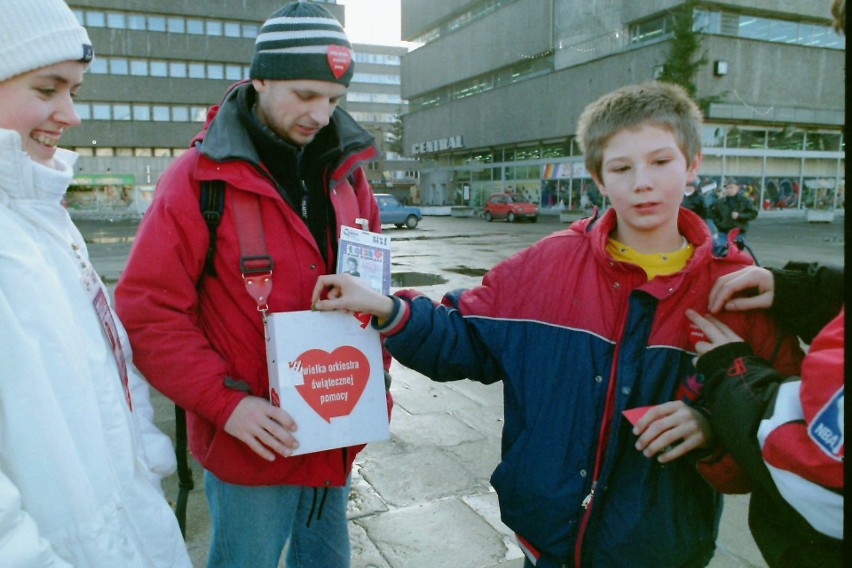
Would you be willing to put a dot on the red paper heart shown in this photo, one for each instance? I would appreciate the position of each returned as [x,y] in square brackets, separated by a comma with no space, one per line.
[339,59]
[634,414]
[333,382]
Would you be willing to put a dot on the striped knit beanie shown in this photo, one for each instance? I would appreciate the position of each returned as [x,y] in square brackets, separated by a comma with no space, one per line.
[302,40]
[38,33]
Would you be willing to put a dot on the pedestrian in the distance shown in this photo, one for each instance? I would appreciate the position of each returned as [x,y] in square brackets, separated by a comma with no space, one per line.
[694,201]
[733,210]
[80,459]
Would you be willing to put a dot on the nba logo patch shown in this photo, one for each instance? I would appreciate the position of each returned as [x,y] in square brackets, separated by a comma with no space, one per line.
[826,430]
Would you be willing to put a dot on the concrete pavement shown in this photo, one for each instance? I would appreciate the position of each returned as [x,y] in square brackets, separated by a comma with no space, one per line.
[423,499]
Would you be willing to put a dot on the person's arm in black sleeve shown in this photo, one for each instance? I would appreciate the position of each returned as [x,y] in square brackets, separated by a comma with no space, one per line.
[739,386]
[749,212]
[807,297]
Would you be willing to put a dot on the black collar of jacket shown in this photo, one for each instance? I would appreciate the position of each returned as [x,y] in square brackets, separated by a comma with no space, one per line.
[227,139]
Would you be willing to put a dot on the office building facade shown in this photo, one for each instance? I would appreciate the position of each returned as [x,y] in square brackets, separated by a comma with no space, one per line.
[374,99]
[159,66]
[502,116]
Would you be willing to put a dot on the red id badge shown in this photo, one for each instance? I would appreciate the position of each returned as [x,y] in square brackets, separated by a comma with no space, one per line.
[108,325]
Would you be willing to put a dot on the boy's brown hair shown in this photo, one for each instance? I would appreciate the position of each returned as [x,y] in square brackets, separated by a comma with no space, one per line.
[660,104]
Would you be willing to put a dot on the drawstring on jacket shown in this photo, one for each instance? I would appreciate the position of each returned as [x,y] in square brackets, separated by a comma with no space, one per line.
[314,504]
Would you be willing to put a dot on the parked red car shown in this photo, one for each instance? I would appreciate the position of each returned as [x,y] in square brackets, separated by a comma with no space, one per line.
[510,206]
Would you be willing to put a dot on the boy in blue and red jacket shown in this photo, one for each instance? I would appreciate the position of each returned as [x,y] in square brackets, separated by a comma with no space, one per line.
[582,326]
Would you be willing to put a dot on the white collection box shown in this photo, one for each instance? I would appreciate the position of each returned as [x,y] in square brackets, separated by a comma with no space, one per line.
[325,370]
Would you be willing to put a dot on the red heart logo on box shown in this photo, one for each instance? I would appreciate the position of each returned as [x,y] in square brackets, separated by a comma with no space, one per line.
[333,382]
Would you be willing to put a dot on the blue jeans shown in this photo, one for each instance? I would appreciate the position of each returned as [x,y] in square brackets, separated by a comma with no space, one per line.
[251,525]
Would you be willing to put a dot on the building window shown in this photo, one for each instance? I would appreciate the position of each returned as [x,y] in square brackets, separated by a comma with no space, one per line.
[156,23]
[214,28]
[101,111]
[232,29]
[84,111]
[159,69]
[250,31]
[136,22]
[143,152]
[118,66]
[177,69]
[176,25]
[139,67]
[141,113]
[786,140]
[196,71]
[233,72]
[199,114]
[99,66]
[160,113]
[121,112]
[215,71]
[95,19]
[116,20]
[194,26]
[180,114]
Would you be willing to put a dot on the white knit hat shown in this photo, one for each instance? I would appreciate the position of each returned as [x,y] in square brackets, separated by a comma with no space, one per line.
[38,33]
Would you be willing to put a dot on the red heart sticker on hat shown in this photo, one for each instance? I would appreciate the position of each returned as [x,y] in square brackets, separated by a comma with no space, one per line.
[339,59]
[333,382]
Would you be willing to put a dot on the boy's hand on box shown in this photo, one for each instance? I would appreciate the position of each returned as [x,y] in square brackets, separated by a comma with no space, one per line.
[348,293]
[671,430]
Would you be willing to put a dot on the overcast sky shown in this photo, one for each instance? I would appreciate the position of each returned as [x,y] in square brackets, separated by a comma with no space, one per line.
[372,21]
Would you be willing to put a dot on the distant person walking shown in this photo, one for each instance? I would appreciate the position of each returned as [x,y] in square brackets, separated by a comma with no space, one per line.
[694,201]
[733,210]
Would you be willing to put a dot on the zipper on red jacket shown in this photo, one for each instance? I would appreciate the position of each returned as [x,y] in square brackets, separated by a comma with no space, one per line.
[603,439]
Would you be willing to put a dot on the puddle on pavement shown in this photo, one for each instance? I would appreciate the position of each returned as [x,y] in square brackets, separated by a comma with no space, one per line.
[433,237]
[406,279]
[467,271]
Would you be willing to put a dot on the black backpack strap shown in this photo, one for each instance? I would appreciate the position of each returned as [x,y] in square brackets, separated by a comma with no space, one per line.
[212,202]
[212,206]
[185,481]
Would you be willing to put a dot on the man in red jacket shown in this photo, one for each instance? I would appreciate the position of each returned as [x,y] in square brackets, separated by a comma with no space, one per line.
[279,141]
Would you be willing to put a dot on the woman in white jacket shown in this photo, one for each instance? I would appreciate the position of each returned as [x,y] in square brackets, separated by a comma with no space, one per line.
[80,459]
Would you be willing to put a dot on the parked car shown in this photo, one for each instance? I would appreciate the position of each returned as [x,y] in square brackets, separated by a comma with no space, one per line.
[393,212]
[509,206]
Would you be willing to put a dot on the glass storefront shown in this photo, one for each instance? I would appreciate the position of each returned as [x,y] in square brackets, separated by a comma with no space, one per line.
[101,192]
[780,168]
